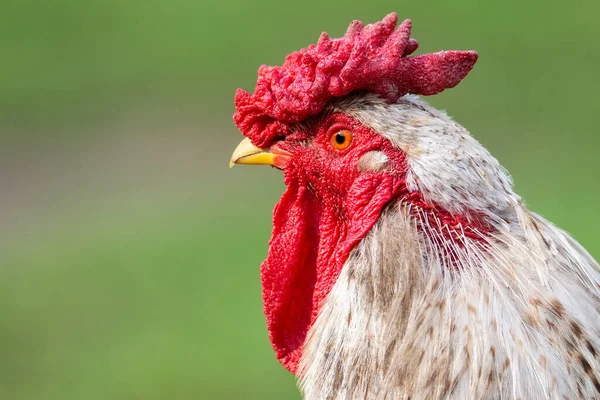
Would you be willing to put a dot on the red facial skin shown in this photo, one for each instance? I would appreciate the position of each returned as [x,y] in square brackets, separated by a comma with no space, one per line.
[327,209]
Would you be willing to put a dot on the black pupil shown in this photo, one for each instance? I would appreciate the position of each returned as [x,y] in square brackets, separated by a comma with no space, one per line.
[340,138]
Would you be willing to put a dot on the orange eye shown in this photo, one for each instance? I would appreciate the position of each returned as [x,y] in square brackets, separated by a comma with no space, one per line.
[341,139]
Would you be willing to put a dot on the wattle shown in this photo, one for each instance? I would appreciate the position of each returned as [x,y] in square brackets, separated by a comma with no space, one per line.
[310,243]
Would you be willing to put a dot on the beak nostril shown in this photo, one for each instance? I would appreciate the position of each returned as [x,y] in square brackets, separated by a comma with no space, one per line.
[276,149]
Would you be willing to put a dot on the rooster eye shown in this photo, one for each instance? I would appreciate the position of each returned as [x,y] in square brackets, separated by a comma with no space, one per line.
[341,139]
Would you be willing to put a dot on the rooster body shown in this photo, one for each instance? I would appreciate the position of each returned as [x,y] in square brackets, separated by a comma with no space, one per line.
[402,264]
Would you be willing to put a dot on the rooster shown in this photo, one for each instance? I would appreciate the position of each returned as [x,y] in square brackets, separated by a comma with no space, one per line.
[402,265]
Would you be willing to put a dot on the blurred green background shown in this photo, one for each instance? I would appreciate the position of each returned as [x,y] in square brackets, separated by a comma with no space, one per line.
[129,251]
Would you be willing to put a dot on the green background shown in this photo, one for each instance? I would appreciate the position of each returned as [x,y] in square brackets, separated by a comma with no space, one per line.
[129,252]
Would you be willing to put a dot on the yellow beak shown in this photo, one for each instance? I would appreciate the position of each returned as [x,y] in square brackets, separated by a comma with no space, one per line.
[248,154]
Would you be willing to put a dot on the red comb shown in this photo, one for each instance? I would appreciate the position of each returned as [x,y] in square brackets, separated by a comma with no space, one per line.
[373,58]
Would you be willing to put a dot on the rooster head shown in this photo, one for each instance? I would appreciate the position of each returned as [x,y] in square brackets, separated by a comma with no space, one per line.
[341,120]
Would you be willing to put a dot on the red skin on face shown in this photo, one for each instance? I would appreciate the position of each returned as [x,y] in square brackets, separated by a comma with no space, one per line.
[327,208]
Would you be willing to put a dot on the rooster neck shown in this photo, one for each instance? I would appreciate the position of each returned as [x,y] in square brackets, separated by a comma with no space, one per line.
[398,323]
